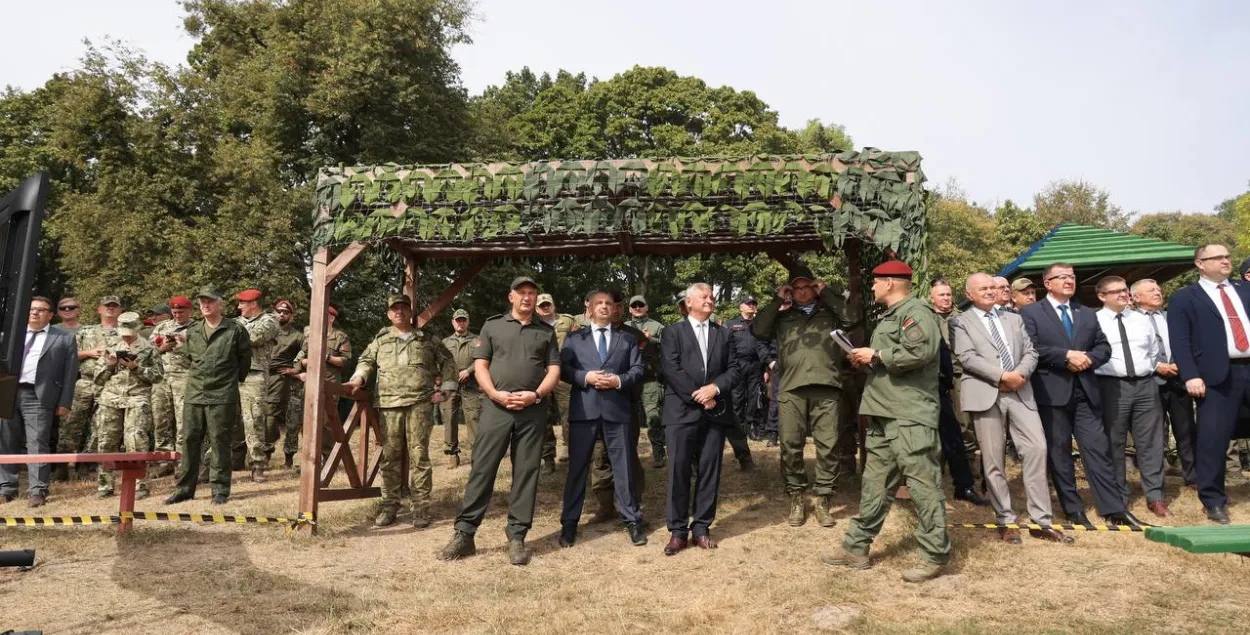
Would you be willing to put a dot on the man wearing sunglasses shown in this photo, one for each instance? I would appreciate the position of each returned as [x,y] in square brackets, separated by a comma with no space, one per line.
[283,383]
[67,311]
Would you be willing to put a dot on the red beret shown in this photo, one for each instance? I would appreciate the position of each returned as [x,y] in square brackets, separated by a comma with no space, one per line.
[284,303]
[892,269]
[248,295]
[333,311]
[179,302]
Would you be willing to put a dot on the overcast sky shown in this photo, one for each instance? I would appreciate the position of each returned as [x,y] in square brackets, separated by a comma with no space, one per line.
[1148,100]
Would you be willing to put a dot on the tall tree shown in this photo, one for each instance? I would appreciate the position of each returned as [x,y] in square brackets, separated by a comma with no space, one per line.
[1078,202]
[1018,228]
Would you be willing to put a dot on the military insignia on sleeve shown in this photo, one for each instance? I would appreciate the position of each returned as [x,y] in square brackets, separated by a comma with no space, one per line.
[908,323]
[477,341]
[347,347]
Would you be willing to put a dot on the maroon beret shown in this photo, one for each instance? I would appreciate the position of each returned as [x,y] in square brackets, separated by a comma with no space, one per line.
[248,295]
[179,302]
[892,269]
[333,311]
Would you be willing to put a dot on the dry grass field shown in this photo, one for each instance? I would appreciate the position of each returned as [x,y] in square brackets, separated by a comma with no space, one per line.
[765,578]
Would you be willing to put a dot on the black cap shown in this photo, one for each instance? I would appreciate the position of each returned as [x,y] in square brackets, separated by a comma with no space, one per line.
[801,273]
[747,299]
[1245,266]
[520,280]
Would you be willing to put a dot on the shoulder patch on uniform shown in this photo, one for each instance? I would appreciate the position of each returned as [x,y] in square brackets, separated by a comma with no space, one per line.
[477,341]
[909,322]
[494,317]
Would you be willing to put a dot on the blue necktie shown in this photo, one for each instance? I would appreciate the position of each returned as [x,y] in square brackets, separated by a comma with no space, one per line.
[1067,319]
[603,345]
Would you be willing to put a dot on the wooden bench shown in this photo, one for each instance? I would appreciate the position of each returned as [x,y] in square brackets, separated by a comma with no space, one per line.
[131,465]
[1204,539]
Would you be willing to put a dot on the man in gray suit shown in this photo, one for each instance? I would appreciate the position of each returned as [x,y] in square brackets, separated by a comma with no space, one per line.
[45,388]
[998,357]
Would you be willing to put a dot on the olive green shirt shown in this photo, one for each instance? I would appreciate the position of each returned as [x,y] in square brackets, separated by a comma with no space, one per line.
[518,354]
[219,361]
[806,352]
[563,324]
[289,342]
[944,320]
[904,383]
[461,347]
[407,365]
[337,345]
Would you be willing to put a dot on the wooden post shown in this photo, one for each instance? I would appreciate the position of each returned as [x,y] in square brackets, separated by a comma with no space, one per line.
[314,389]
[412,278]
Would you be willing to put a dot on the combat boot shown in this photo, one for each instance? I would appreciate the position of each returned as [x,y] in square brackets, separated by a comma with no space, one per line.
[517,553]
[923,573]
[420,518]
[847,559]
[453,461]
[290,461]
[823,517]
[461,546]
[258,475]
[798,510]
[386,517]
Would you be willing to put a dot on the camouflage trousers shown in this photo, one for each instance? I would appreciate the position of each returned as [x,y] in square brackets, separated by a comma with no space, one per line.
[255,412]
[462,408]
[284,394]
[558,415]
[167,412]
[76,428]
[406,429]
[122,430]
[652,402]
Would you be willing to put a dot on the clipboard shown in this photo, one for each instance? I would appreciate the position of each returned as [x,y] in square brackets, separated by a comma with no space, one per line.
[844,343]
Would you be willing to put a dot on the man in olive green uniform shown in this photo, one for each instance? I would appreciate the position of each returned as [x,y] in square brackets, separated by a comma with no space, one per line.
[465,403]
[943,301]
[559,410]
[283,382]
[900,397]
[168,337]
[93,340]
[262,330]
[517,364]
[810,394]
[338,354]
[407,360]
[652,389]
[219,353]
[125,378]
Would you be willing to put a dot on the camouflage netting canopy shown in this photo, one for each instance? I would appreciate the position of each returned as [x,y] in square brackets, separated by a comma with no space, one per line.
[586,208]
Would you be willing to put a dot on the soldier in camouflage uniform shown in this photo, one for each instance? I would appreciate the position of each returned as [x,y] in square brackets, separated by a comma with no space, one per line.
[262,330]
[338,354]
[168,337]
[465,404]
[652,389]
[283,381]
[93,341]
[559,409]
[901,399]
[124,418]
[407,362]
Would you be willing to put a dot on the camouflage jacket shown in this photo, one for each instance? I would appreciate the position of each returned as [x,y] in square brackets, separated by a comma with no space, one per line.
[175,359]
[126,388]
[406,368]
[461,348]
[91,337]
[337,345]
[262,330]
[564,325]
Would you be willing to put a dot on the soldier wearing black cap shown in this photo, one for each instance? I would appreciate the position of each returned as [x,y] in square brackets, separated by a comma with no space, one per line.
[517,365]
[747,394]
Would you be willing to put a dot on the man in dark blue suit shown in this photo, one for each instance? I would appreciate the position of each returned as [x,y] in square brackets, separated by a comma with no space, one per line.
[699,373]
[1070,345]
[1208,325]
[601,364]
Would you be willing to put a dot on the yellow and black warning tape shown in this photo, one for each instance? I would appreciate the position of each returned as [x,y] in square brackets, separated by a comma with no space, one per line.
[289,523]
[1108,528]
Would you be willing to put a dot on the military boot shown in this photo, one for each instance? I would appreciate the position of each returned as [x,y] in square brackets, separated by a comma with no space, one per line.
[386,517]
[847,559]
[823,517]
[923,573]
[258,475]
[798,510]
[420,518]
[453,461]
[517,553]
[461,546]
[290,461]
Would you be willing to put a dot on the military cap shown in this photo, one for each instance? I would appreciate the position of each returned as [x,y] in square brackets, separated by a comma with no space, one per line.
[637,300]
[1245,266]
[129,323]
[160,309]
[110,299]
[747,299]
[248,295]
[210,292]
[398,298]
[1021,284]
[332,311]
[802,273]
[284,304]
[543,298]
[460,313]
[892,269]
[520,280]
[180,302]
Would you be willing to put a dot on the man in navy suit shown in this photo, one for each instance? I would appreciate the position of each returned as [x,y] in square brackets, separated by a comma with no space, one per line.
[602,364]
[699,376]
[1208,326]
[1070,345]
[45,389]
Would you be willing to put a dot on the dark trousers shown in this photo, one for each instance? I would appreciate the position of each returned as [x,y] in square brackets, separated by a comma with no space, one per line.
[214,422]
[603,481]
[951,435]
[617,438]
[707,440]
[1179,408]
[736,435]
[498,432]
[746,399]
[33,425]
[772,422]
[1217,420]
[1080,418]
[1132,405]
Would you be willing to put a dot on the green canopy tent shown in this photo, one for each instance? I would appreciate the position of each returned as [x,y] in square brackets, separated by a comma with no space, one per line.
[869,204]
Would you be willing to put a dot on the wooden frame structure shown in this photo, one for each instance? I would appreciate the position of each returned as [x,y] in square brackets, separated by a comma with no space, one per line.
[668,207]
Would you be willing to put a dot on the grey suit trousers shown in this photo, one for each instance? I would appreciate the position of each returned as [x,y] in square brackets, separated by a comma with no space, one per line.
[1134,405]
[1030,439]
[33,423]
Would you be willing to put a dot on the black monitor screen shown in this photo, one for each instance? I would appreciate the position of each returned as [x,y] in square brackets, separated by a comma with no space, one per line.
[21,220]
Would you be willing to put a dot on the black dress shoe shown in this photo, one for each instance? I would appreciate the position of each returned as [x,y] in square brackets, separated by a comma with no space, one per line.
[1080,519]
[746,464]
[568,536]
[1124,519]
[637,535]
[1218,514]
[970,496]
[177,498]
[219,499]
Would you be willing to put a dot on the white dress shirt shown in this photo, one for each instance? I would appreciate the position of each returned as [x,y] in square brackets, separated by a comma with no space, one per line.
[701,336]
[1161,321]
[30,366]
[998,324]
[1214,292]
[594,331]
[1141,342]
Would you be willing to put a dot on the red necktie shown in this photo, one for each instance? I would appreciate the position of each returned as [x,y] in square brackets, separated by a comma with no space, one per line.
[1234,321]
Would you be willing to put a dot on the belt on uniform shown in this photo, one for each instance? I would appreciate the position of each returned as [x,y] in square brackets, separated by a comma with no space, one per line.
[29,386]
[1141,378]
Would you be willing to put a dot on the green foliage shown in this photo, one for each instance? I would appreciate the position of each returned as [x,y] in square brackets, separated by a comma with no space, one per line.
[1190,229]
[1078,202]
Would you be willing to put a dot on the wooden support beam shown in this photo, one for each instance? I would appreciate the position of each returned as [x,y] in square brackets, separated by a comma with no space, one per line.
[784,258]
[344,258]
[314,389]
[452,291]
